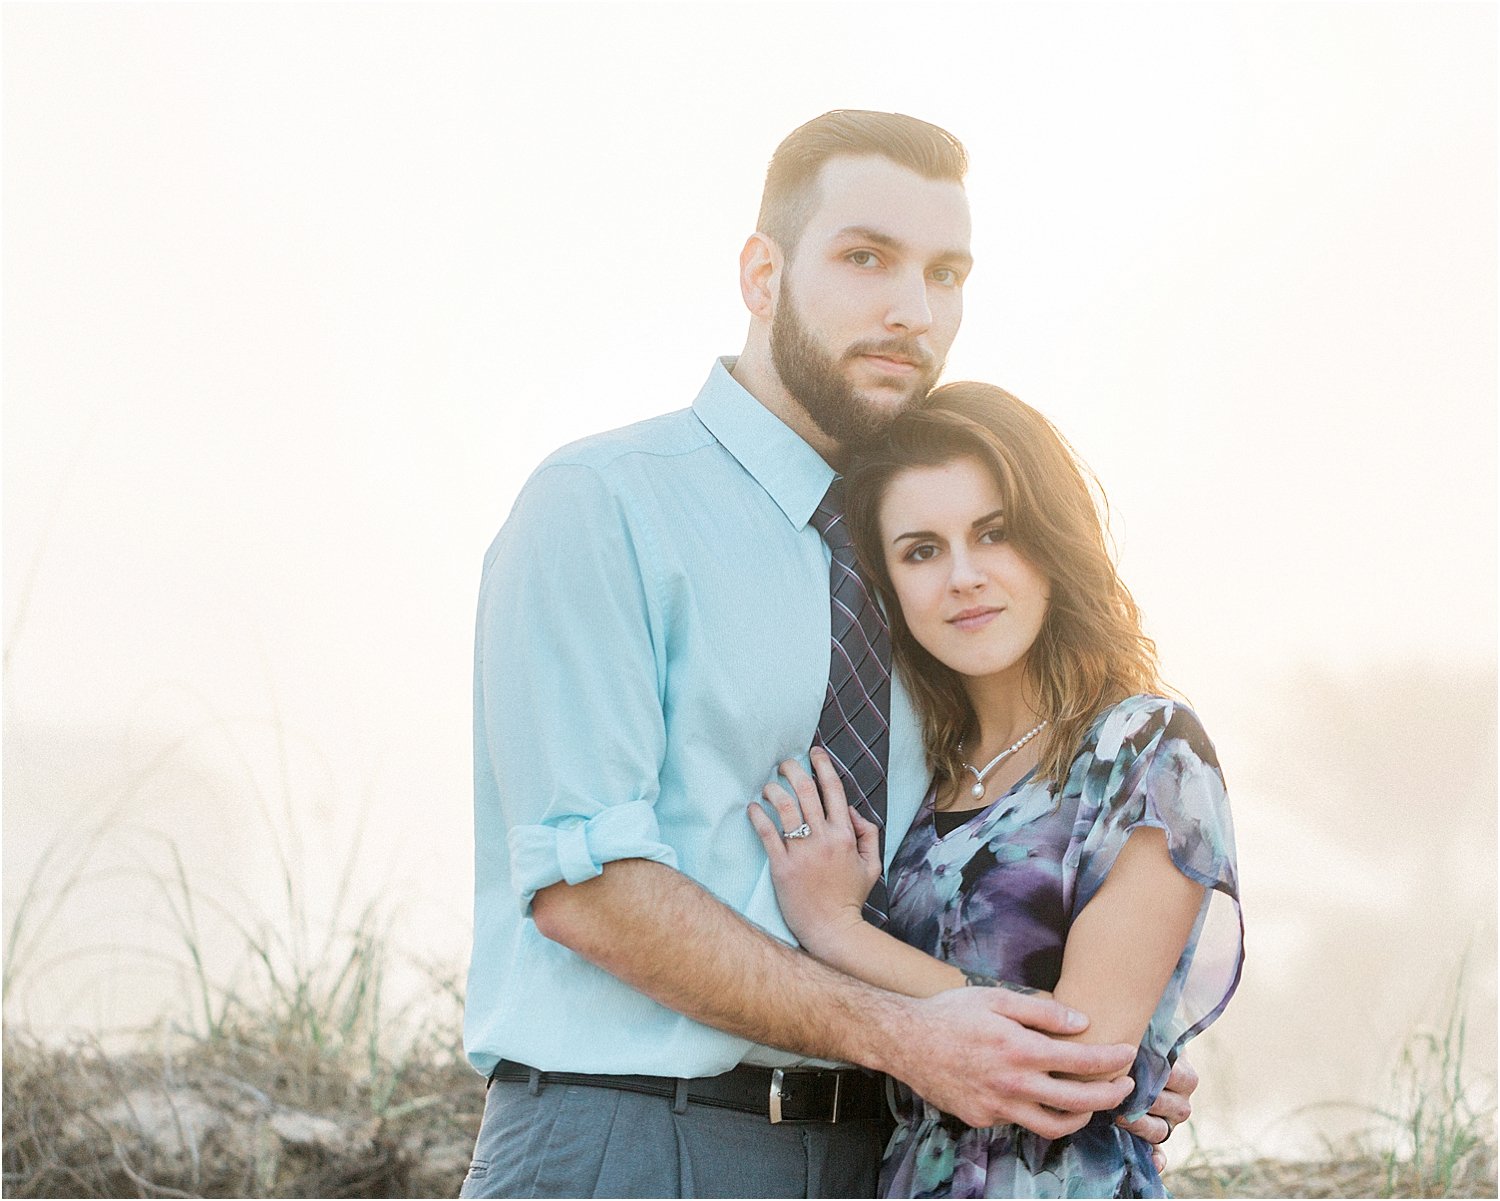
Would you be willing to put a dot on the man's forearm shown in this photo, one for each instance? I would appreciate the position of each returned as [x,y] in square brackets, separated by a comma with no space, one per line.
[664,935]
[985,1055]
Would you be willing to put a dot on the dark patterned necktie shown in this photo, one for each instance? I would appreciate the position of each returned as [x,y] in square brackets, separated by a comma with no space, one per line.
[855,727]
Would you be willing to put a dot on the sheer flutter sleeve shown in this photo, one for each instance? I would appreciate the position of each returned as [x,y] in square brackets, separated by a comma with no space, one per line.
[1152,766]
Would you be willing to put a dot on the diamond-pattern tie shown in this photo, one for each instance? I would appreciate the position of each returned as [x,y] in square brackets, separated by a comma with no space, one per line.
[855,726]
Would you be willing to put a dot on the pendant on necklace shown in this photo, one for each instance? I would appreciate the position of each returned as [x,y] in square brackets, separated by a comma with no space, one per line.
[977,792]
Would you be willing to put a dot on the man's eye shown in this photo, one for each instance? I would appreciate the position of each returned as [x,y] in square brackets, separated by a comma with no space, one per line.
[946,276]
[863,258]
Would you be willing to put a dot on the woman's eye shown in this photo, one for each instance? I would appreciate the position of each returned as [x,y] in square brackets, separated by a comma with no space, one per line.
[995,533]
[921,552]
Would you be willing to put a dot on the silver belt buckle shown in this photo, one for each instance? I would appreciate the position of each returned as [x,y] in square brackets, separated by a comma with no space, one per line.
[778,1077]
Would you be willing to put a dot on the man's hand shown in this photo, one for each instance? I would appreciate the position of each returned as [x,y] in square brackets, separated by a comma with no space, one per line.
[985,1056]
[1172,1107]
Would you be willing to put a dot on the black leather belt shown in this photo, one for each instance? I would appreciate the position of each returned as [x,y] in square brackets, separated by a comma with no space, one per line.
[780,1094]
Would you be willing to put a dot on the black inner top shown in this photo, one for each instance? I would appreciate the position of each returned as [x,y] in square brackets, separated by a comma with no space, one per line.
[948,820]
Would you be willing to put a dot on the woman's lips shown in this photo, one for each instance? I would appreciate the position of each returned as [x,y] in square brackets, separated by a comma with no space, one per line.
[974,619]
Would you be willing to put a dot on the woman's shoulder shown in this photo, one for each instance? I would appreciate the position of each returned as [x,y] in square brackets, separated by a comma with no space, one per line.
[1146,723]
[1149,760]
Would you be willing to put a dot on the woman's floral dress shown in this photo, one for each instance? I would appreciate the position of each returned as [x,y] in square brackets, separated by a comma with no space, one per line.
[997,895]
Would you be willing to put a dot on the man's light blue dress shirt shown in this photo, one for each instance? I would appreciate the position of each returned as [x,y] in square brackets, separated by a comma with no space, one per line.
[653,638]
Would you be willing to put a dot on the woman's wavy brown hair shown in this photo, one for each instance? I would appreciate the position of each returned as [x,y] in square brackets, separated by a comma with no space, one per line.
[1091,651]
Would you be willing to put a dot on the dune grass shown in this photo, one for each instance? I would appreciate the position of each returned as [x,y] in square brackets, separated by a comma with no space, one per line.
[288,1074]
[322,1093]
[1446,1136]
[248,1114]
[302,1079]
[1435,1138]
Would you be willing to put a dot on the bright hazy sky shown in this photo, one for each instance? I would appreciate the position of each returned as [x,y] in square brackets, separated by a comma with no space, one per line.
[296,295]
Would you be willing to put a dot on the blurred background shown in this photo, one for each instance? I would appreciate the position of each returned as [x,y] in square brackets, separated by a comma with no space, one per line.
[295,297]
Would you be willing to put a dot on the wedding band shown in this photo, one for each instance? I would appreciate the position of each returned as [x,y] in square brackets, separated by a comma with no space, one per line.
[1171,1126]
[801,831]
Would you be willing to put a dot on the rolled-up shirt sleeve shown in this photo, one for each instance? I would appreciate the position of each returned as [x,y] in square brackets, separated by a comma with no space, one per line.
[568,685]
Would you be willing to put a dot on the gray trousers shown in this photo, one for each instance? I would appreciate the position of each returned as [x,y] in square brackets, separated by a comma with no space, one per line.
[568,1140]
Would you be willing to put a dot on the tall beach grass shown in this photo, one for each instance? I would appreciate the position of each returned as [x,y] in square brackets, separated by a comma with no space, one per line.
[299,1077]
[1434,1137]
[288,1064]
[304,1080]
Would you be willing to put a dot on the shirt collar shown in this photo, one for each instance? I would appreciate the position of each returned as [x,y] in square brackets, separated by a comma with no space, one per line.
[792,472]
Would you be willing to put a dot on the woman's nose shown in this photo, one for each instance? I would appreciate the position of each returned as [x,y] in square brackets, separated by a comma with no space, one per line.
[964,574]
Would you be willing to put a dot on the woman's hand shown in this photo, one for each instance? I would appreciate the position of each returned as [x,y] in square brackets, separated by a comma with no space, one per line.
[822,879]
[1172,1107]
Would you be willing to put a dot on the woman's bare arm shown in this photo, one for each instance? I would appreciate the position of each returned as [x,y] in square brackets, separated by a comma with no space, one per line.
[1142,916]
[1123,947]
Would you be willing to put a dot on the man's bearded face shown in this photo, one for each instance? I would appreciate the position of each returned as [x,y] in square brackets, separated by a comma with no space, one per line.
[818,378]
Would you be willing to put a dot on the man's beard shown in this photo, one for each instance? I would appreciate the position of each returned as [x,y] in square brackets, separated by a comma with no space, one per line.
[814,379]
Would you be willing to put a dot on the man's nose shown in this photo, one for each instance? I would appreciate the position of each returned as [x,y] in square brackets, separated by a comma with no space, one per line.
[910,310]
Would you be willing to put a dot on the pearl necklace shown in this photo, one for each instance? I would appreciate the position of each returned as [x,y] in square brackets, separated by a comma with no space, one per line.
[977,792]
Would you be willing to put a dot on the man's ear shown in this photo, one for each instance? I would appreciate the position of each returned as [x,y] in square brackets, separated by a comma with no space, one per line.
[760,275]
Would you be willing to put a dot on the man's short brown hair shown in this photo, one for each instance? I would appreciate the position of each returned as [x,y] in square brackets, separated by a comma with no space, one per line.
[791,193]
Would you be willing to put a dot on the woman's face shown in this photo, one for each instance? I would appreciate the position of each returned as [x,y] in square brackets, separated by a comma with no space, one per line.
[968,595]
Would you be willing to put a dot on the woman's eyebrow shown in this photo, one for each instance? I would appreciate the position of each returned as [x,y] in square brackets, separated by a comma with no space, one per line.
[974,525]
